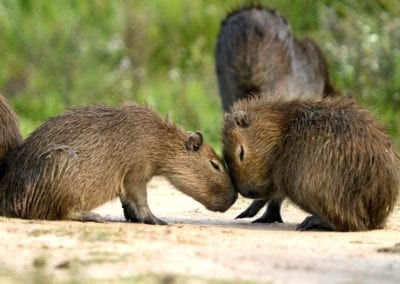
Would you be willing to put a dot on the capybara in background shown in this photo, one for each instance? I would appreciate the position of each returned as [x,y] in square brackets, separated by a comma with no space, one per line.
[256,53]
[87,156]
[328,156]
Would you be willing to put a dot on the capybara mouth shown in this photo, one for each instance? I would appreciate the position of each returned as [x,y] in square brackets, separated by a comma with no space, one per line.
[223,206]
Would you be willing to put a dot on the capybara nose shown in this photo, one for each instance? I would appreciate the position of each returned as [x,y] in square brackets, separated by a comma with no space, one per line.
[222,207]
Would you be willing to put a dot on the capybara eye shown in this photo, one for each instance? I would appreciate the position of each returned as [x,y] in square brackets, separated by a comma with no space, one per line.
[241,154]
[215,166]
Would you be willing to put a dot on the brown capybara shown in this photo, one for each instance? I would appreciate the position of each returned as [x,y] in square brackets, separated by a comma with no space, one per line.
[9,132]
[256,53]
[328,156]
[87,156]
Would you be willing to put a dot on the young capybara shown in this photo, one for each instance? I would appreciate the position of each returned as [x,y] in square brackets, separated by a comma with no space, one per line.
[256,53]
[87,156]
[328,156]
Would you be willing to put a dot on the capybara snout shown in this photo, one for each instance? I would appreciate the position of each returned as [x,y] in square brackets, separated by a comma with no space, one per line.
[204,176]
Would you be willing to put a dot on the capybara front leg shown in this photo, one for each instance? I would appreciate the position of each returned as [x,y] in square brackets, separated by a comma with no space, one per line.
[273,212]
[129,211]
[136,208]
[253,208]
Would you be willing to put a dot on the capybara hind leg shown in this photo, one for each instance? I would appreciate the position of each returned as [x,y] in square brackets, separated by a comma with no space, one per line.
[253,209]
[87,217]
[136,209]
[273,212]
[314,223]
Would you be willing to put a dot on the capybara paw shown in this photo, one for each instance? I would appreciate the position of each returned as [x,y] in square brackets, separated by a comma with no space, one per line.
[129,213]
[269,217]
[132,219]
[253,209]
[145,219]
[154,221]
[246,213]
[313,223]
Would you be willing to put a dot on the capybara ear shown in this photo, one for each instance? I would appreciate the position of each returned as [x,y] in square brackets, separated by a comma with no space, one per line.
[241,119]
[194,141]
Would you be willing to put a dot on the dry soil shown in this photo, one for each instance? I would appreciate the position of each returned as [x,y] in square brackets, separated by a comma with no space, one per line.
[197,246]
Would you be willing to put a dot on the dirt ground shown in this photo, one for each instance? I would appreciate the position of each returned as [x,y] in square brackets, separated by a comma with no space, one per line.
[198,246]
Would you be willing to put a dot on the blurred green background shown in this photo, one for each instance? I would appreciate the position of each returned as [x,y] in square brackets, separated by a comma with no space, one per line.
[57,54]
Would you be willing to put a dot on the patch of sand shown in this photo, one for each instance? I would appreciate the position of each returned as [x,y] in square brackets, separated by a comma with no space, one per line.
[197,243]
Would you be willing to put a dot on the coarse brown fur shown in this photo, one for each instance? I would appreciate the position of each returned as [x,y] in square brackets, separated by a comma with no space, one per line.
[87,156]
[9,132]
[257,52]
[328,156]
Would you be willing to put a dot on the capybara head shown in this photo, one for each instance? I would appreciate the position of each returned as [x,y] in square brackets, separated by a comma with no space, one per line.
[200,173]
[250,144]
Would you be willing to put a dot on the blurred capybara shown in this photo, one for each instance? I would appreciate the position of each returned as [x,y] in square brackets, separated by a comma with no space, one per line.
[257,54]
[328,156]
[90,155]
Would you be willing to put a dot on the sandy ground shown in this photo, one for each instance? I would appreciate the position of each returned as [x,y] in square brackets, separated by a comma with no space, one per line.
[198,245]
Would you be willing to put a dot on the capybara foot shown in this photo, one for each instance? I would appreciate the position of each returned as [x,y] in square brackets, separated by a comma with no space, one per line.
[129,213]
[272,214]
[88,217]
[314,223]
[253,209]
[140,217]
[152,220]
[149,219]
[270,217]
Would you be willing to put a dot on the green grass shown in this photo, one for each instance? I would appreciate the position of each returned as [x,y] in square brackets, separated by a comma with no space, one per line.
[58,54]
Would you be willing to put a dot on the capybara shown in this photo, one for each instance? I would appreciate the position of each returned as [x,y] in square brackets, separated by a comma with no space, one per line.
[328,156]
[9,132]
[87,156]
[256,53]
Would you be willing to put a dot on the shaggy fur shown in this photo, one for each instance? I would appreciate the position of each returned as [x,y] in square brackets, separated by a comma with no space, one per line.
[90,155]
[9,133]
[256,53]
[328,156]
